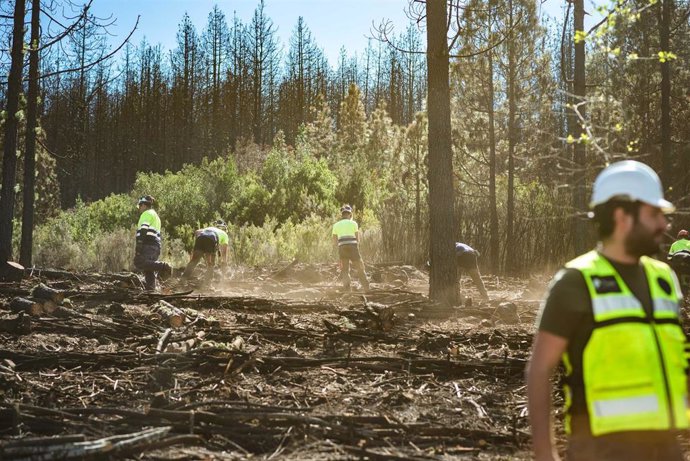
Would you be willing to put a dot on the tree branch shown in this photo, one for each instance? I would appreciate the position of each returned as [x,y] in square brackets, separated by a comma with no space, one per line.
[101,59]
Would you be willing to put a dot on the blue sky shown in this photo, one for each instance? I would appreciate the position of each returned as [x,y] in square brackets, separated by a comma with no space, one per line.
[333,23]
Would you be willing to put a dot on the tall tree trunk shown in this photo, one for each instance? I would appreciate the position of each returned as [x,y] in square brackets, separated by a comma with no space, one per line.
[418,194]
[30,154]
[443,279]
[511,263]
[579,148]
[9,159]
[666,7]
[493,227]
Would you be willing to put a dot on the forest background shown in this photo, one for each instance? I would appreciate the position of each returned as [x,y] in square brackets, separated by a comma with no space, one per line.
[271,137]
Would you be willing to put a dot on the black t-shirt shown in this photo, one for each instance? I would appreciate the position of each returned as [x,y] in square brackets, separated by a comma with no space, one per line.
[567,312]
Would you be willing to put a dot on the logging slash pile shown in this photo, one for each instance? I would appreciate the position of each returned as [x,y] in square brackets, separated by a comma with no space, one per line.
[273,363]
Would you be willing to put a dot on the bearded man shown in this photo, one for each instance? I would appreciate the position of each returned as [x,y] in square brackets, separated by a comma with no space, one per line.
[612,317]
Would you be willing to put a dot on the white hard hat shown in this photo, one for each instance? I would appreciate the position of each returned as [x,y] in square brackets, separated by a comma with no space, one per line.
[629,180]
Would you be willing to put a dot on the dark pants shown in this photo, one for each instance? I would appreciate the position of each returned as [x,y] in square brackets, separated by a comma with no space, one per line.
[468,262]
[347,253]
[631,446]
[205,245]
[146,260]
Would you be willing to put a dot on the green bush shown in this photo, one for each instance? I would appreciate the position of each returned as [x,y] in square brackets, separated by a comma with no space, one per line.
[54,245]
[113,251]
[191,196]
[285,211]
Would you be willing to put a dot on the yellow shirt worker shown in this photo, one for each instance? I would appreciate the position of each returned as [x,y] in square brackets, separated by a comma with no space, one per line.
[346,238]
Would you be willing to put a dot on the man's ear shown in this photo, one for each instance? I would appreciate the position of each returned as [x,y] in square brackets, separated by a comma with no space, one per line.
[622,220]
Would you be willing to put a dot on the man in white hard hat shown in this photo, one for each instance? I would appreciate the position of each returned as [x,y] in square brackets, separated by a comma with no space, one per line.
[612,317]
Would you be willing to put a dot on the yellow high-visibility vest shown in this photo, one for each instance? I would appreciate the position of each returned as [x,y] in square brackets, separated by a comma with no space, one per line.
[634,365]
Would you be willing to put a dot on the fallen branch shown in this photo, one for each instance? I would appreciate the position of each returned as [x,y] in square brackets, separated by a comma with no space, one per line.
[163,341]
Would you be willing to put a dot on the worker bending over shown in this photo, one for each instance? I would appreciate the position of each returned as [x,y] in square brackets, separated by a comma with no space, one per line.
[208,242]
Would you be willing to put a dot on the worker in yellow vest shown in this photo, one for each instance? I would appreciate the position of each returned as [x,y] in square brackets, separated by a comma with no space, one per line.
[679,258]
[681,244]
[148,244]
[346,238]
[612,317]
[209,242]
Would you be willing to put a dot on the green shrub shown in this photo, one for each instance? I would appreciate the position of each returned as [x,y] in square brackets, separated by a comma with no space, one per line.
[113,251]
[54,245]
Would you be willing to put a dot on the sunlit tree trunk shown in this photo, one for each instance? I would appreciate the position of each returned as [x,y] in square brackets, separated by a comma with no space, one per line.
[442,283]
[579,148]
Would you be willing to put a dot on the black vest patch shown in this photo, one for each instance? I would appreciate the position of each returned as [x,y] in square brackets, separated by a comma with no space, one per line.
[664,285]
[606,284]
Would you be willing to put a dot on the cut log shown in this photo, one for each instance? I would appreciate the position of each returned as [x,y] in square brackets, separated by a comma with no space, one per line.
[28,306]
[11,272]
[172,315]
[45,292]
[49,306]
[65,312]
[199,318]
[19,325]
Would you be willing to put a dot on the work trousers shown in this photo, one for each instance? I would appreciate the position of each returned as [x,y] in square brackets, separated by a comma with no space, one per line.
[627,446]
[468,262]
[350,253]
[146,260]
[196,257]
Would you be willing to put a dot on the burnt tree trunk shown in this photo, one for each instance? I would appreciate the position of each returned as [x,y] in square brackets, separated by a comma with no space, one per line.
[443,278]
[9,159]
[665,7]
[25,253]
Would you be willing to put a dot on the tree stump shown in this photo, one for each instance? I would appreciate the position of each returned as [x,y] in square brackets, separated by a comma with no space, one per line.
[11,272]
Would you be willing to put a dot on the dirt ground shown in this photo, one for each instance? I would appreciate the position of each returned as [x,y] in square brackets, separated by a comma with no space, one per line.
[274,363]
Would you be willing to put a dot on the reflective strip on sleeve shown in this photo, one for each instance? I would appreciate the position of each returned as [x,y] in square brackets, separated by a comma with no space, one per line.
[626,406]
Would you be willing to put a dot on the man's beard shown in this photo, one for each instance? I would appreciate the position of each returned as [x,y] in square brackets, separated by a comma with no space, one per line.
[641,242]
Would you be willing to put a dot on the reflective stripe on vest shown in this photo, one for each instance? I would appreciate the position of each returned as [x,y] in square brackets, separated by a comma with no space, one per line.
[148,234]
[347,240]
[633,365]
[627,406]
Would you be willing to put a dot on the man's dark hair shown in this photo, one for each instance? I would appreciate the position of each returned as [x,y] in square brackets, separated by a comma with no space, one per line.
[603,215]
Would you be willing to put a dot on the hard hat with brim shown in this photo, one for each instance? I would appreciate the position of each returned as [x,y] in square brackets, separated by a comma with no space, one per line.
[146,199]
[629,180]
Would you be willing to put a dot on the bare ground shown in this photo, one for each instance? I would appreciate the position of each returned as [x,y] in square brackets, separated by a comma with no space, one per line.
[268,364]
